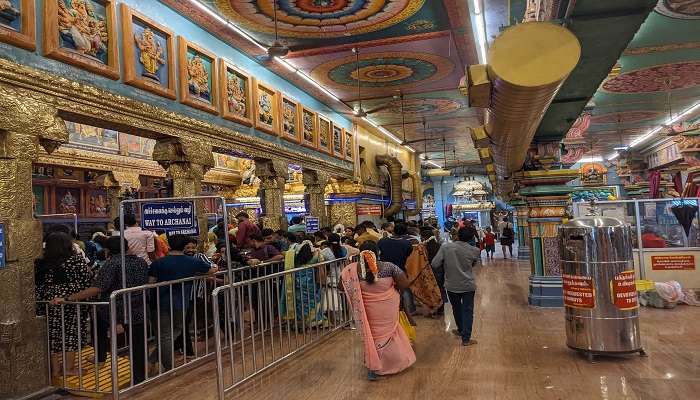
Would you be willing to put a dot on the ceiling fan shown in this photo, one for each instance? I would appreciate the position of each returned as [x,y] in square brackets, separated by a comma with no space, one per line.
[277,48]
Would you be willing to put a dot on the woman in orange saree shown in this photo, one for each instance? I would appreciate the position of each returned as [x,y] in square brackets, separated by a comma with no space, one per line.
[371,288]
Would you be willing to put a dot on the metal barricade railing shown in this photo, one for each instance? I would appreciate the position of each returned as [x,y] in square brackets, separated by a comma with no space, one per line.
[177,319]
[74,345]
[267,319]
[130,342]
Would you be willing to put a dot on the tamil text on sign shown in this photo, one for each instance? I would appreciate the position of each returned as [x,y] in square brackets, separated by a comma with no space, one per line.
[578,291]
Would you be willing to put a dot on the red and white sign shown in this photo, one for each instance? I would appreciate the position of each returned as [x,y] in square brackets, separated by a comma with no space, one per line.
[369,209]
[623,290]
[578,291]
[673,263]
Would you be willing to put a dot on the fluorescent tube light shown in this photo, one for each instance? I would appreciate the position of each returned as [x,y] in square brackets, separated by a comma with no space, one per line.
[477,6]
[287,65]
[236,29]
[591,159]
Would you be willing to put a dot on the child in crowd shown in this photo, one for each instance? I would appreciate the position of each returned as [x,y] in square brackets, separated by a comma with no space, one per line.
[489,243]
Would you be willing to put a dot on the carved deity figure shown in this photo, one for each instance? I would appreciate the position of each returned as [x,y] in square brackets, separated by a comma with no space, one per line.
[265,106]
[68,204]
[323,135]
[308,127]
[198,77]
[151,53]
[235,88]
[8,12]
[81,28]
[290,120]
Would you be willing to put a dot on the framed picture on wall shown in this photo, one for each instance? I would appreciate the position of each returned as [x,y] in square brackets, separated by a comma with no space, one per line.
[266,108]
[338,141]
[324,135]
[17,25]
[149,53]
[197,75]
[309,128]
[349,146]
[236,94]
[82,33]
[290,125]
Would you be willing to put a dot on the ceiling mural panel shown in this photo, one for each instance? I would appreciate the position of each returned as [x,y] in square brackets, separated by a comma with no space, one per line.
[659,76]
[307,23]
[417,49]
[431,64]
[683,9]
[433,106]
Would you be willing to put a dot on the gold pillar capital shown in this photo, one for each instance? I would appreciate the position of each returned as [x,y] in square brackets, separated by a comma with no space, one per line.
[196,155]
[270,168]
[24,114]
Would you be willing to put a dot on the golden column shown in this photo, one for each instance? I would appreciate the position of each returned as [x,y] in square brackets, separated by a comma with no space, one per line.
[25,124]
[315,189]
[272,174]
[186,162]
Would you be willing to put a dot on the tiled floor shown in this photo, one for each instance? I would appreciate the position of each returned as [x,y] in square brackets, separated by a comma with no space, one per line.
[521,354]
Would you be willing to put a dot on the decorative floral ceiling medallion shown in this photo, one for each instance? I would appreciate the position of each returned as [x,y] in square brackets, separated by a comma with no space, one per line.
[319,18]
[382,69]
[658,78]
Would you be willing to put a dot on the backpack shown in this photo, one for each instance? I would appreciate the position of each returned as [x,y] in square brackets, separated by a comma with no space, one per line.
[508,232]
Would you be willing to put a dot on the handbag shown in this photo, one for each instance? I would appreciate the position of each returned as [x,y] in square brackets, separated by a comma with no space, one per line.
[407,327]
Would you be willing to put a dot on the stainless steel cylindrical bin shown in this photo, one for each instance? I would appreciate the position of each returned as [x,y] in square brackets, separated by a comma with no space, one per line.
[602,314]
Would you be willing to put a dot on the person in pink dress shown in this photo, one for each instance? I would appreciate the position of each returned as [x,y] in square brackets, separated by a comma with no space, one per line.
[372,288]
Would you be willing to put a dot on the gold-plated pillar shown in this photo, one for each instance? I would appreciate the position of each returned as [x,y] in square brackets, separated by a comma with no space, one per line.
[314,188]
[186,162]
[272,174]
[25,123]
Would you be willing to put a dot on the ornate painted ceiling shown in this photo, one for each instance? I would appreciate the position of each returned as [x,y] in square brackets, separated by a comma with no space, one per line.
[416,47]
[659,74]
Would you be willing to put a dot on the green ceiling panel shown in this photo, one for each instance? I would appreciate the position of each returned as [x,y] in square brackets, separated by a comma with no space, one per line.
[604,29]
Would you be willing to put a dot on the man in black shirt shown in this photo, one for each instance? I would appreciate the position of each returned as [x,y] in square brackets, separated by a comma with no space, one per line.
[396,249]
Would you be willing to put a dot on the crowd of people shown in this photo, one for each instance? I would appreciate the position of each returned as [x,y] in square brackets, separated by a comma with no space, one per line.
[401,270]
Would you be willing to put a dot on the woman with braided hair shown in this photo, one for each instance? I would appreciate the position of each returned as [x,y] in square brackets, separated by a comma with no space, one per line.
[372,288]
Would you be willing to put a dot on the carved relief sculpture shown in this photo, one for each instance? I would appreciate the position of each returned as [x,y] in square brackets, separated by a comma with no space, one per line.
[349,146]
[148,59]
[236,94]
[338,140]
[197,73]
[324,135]
[309,134]
[17,23]
[82,32]
[290,119]
[266,108]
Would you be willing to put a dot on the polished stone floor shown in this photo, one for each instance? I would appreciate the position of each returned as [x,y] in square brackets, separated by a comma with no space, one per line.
[521,354]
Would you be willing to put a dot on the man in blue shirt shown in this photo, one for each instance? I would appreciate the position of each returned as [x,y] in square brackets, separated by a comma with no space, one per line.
[173,298]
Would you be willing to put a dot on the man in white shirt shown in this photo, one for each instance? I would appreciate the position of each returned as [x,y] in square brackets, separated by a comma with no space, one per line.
[141,243]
